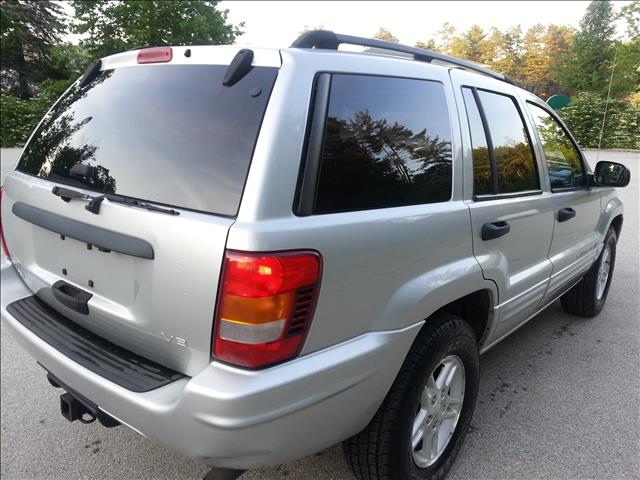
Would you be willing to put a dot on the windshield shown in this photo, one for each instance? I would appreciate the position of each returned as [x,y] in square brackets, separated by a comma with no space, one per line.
[171,134]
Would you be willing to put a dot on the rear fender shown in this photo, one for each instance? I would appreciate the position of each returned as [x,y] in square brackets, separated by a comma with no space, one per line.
[425,294]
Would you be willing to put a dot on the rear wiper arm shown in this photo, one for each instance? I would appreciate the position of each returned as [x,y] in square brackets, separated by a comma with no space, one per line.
[93,206]
[67,194]
[140,204]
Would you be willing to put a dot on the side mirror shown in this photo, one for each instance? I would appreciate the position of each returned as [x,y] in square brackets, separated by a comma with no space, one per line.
[611,174]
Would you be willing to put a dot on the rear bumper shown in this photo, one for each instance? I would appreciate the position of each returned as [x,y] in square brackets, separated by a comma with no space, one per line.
[234,418]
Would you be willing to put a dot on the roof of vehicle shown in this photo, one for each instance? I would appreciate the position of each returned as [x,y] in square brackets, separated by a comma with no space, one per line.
[314,41]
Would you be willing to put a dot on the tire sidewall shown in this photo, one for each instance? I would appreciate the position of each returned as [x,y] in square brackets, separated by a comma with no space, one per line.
[464,347]
[611,241]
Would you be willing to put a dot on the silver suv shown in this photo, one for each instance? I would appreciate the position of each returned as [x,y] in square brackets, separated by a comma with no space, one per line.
[250,255]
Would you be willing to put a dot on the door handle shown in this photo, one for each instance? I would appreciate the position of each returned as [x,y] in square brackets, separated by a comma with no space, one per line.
[565,214]
[495,230]
[71,296]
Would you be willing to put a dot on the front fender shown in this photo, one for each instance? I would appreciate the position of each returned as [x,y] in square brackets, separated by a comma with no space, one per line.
[611,207]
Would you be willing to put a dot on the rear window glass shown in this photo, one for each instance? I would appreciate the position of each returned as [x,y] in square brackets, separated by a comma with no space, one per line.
[171,134]
[387,143]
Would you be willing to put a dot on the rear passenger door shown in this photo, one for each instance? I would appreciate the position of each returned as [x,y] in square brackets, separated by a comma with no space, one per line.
[576,206]
[511,215]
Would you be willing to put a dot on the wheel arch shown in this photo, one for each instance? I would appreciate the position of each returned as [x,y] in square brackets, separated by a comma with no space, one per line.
[616,223]
[475,309]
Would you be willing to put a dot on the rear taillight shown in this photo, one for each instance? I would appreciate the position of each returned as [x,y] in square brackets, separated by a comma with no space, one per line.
[155,55]
[4,242]
[265,306]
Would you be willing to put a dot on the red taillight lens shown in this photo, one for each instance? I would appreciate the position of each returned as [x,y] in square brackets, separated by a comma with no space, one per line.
[4,242]
[155,55]
[265,306]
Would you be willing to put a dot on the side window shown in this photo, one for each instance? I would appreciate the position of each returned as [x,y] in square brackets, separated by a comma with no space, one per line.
[387,143]
[562,156]
[503,160]
[515,165]
[482,176]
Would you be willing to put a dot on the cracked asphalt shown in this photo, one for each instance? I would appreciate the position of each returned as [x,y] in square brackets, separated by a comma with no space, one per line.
[559,399]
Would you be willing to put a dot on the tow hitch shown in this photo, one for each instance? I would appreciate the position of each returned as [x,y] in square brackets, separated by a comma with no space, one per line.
[72,409]
[74,406]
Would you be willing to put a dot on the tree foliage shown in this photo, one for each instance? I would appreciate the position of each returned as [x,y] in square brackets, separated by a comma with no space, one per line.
[584,117]
[28,30]
[384,34]
[591,55]
[68,61]
[18,118]
[631,14]
[115,26]
[532,58]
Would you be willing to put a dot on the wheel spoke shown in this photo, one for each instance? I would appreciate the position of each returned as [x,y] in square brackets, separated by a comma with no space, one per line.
[449,413]
[452,401]
[446,374]
[418,428]
[434,444]
[428,393]
[430,443]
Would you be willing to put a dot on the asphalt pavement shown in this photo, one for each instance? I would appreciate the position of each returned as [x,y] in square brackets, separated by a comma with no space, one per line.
[559,399]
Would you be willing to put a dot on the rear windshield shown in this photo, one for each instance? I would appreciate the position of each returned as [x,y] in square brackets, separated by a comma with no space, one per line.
[171,134]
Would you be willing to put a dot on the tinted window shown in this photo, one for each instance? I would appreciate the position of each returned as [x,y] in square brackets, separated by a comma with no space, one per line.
[482,179]
[514,160]
[165,133]
[563,159]
[387,144]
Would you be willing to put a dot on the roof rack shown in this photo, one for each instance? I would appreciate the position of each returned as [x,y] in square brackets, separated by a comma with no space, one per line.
[327,40]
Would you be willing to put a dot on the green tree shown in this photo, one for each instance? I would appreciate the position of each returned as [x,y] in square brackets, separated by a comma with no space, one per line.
[584,117]
[384,34]
[626,73]
[446,34]
[503,51]
[428,45]
[114,26]
[535,63]
[626,76]
[591,55]
[631,14]
[28,30]
[558,41]
[442,41]
[471,45]
[68,61]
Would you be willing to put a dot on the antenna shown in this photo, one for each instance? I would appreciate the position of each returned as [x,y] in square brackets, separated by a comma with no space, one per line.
[606,103]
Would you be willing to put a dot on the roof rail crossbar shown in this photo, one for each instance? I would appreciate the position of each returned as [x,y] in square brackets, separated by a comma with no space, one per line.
[327,40]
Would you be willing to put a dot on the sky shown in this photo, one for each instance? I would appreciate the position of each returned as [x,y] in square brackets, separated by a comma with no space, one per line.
[277,24]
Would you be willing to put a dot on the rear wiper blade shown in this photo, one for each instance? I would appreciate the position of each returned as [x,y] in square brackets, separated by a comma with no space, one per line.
[140,204]
[93,206]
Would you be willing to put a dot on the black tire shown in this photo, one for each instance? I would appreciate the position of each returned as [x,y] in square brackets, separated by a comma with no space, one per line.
[383,450]
[582,299]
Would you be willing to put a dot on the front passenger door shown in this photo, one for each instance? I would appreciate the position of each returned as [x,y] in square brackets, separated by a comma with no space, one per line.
[576,206]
